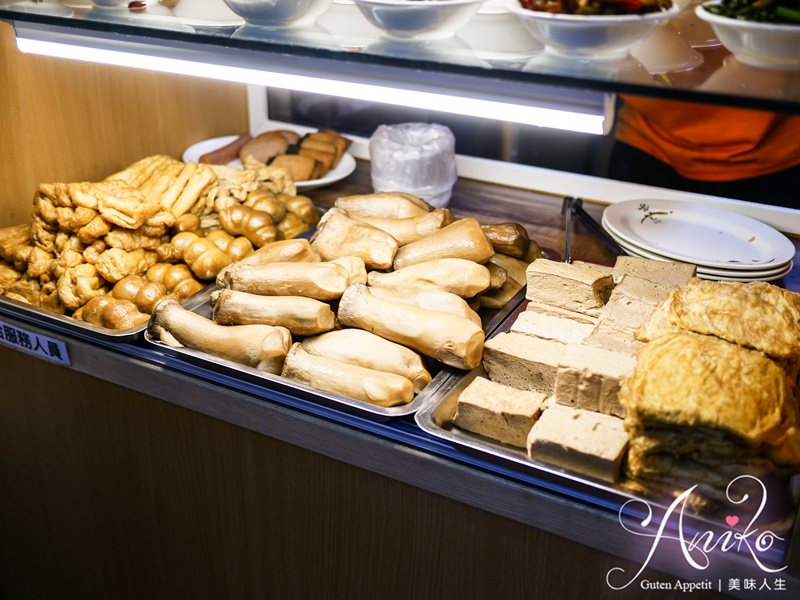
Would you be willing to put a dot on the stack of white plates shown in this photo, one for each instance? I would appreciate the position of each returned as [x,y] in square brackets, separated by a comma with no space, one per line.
[723,244]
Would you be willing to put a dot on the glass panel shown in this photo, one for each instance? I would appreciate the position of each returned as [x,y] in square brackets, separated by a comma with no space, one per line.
[682,59]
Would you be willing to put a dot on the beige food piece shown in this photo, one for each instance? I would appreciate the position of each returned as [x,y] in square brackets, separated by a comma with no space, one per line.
[410,229]
[303,207]
[611,336]
[322,281]
[626,311]
[367,385]
[498,411]
[294,250]
[130,239]
[120,204]
[268,202]
[365,349]
[25,290]
[261,346]
[579,440]
[497,299]
[508,238]
[39,262]
[79,284]
[645,290]
[551,327]
[237,248]
[523,361]
[578,287]
[255,225]
[453,340]
[8,275]
[138,173]
[657,324]
[589,377]
[758,315]
[497,276]
[115,263]
[692,380]
[355,267]
[95,229]
[463,238]
[338,235]
[429,299]
[301,316]
[514,268]
[458,276]
[386,205]
[668,274]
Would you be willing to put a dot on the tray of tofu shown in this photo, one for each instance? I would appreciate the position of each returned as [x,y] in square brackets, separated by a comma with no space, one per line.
[608,381]
[545,398]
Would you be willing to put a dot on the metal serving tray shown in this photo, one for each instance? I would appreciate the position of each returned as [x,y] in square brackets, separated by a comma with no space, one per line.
[441,373]
[436,418]
[69,325]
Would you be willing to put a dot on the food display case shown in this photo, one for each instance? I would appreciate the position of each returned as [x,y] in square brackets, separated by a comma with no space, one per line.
[135,469]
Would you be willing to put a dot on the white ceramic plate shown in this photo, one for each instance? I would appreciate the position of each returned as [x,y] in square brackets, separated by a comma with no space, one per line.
[347,163]
[699,234]
[710,272]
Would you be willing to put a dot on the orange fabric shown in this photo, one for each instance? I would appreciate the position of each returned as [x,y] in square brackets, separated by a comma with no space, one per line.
[710,143]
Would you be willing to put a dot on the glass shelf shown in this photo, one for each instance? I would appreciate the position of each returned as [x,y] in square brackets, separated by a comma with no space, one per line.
[493,56]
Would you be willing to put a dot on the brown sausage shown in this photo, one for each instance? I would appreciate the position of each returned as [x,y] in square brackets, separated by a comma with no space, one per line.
[227,153]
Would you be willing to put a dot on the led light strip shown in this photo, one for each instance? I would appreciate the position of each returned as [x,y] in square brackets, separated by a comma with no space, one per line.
[472,107]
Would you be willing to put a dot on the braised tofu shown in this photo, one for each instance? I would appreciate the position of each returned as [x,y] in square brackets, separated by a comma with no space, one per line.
[523,361]
[579,440]
[582,287]
[498,411]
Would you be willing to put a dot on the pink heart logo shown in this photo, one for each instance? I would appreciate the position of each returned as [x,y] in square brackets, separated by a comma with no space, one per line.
[731,520]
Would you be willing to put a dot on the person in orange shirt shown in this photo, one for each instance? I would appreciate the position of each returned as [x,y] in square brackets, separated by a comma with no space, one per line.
[731,152]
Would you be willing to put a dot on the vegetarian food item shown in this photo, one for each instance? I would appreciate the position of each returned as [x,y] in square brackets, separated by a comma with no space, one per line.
[322,280]
[263,347]
[463,238]
[508,238]
[459,276]
[386,205]
[523,361]
[579,440]
[498,411]
[579,287]
[429,299]
[453,340]
[589,377]
[409,229]
[338,235]
[301,316]
[368,385]
[365,349]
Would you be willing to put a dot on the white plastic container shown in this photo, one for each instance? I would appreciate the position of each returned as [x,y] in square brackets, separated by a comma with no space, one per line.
[416,158]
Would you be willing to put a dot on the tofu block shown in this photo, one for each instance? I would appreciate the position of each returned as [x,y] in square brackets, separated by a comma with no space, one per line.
[551,327]
[642,289]
[657,324]
[523,361]
[611,336]
[668,274]
[589,377]
[580,441]
[560,312]
[582,287]
[626,311]
[498,411]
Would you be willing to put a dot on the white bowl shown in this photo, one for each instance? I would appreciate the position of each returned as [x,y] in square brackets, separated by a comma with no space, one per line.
[279,13]
[600,37]
[425,20]
[770,45]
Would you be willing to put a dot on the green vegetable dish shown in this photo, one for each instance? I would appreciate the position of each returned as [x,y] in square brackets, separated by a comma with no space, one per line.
[767,11]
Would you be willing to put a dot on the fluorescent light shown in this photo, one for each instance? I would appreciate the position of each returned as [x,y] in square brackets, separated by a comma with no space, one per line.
[473,107]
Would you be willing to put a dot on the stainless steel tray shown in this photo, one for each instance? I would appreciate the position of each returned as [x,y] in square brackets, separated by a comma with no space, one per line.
[491,320]
[435,417]
[66,324]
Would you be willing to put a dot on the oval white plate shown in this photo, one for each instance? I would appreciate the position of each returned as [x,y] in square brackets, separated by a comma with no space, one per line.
[708,272]
[699,234]
[347,164]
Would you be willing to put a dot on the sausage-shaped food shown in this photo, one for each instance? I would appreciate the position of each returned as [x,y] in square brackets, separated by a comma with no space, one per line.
[322,281]
[453,340]
[367,385]
[301,316]
[461,277]
[461,239]
[365,349]
[261,346]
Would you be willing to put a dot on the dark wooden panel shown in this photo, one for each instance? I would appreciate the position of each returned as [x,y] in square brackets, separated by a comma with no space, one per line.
[110,493]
